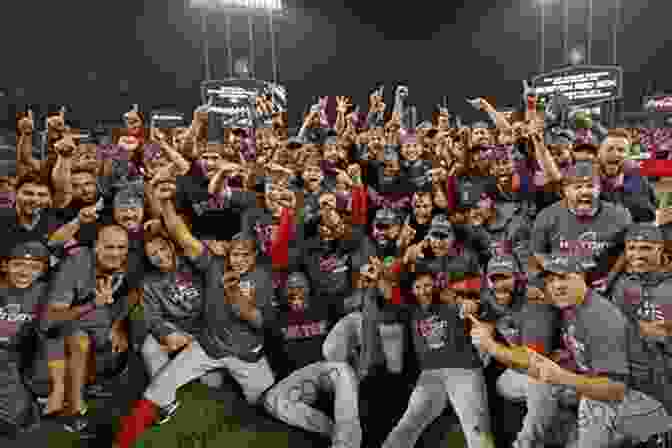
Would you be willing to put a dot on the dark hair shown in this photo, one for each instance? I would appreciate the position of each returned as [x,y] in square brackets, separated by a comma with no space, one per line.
[33,178]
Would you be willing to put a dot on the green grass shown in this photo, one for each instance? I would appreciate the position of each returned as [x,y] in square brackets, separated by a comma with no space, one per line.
[204,422]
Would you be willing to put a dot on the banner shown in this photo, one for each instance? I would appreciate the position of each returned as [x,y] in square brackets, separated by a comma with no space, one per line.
[234,100]
[659,103]
[583,85]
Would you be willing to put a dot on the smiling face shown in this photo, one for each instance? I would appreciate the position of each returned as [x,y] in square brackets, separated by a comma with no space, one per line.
[580,193]
[31,197]
[566,290]
[423,288]
[612,155]
[22,272]
[111,249]
[161,254]
[643,256]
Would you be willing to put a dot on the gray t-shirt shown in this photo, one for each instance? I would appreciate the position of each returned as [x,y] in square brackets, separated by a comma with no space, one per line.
[556,229]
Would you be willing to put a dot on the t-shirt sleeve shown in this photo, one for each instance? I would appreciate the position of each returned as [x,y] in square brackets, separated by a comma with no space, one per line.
[203,260]
[539,242]
[608,343]
[64,284]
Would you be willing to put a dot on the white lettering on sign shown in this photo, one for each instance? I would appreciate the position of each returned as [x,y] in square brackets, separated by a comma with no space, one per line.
[662,104]
[581,86]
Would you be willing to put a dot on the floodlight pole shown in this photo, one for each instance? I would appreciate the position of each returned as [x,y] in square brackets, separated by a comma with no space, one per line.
[206,44]
[589,33]
[565,31]
[229,51]
[250,22]
[542,36]
[274,57]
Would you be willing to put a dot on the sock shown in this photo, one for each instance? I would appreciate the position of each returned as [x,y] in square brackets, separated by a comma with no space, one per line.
[142,416]
[280,247]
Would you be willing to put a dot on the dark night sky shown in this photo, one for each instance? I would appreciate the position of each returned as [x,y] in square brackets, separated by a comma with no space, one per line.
[464,48]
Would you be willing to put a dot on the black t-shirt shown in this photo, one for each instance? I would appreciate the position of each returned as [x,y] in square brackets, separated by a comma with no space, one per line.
[440,340]
[19,311]
[304,333]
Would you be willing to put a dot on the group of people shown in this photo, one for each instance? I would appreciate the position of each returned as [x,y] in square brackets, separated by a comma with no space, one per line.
[303,266]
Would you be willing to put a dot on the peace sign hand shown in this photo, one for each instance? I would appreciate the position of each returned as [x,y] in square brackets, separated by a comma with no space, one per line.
[342,104]
[104,291]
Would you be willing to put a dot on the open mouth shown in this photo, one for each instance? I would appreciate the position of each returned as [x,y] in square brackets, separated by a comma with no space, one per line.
[585,202]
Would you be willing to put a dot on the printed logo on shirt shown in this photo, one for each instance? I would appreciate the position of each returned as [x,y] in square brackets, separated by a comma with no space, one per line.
[334,264]
[575,347]
[11,318]
[305,330]
[650,311]
[433,329]
[586,245]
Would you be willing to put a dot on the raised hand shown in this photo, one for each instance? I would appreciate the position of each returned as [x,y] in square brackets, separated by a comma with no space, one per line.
[104,291]
[26,125]
[343,103]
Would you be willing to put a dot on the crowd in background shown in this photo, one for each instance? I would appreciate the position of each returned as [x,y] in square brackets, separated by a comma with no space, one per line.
[521,257]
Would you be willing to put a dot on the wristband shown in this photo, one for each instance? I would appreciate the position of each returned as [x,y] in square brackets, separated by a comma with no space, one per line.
[87,308]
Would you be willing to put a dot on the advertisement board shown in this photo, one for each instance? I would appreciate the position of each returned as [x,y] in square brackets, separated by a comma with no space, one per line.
[234,100]
[583,85]
[658,103]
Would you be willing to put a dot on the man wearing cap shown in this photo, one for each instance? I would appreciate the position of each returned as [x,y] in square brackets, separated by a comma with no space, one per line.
[450,370]
[644,293]
[302,324]
[89,303]
[506,326]
[595,362]
[498,228]
[20,311]
[442,255]
[626,188]
[582,225]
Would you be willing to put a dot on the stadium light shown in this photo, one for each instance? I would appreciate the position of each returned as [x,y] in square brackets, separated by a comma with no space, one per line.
[249,8]
[267,5]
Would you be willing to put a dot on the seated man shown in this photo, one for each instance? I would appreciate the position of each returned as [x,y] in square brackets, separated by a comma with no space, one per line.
[508,323]
[612,408]
[450,370]
[19,311]
[304,323]
[238,301]
[89,305]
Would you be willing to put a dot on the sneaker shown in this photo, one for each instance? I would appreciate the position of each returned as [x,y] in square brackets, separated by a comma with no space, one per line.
[78,424]
[167,412]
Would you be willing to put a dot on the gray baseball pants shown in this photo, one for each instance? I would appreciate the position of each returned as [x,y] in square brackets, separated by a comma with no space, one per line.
[291,400]
[192,363]
[466,390]
[549,418]
[346,338]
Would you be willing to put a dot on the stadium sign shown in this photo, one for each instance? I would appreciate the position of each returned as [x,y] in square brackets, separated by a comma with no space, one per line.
[661,103]
[234,100]
[583,85]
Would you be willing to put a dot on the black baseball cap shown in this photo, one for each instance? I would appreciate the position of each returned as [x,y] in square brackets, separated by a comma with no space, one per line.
[644,232]
[581,169]
[29,249]
[502,264]
[561,263]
